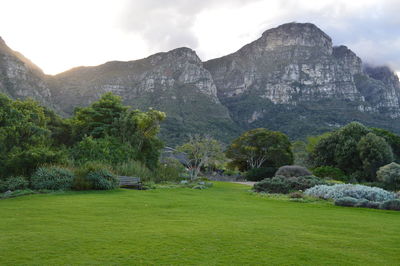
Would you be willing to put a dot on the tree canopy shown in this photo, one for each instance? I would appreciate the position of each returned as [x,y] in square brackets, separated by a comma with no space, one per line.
[260,148]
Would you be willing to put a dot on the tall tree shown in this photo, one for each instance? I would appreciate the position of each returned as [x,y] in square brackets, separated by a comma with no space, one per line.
[260,148]
[200,151]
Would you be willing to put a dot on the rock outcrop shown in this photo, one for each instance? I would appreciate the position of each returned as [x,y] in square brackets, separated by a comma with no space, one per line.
[20,78]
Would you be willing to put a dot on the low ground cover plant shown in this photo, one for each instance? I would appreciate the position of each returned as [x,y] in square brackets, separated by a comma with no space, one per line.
[349,190]
[393,204]
[284,185]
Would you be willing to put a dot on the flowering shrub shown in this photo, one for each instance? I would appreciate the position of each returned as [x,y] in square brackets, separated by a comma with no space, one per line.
[348,190]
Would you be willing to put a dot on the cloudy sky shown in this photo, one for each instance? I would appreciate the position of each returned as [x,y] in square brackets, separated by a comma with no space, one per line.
[61,34]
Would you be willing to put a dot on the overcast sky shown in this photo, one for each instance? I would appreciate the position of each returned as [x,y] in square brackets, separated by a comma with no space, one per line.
[61,34]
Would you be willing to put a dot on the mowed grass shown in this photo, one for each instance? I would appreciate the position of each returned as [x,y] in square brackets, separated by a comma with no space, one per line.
[224,225]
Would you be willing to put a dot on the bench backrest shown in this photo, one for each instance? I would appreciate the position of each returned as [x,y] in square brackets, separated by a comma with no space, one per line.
[129,181]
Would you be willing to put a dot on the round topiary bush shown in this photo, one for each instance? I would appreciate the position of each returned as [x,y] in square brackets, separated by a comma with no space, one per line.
[53,178]
[292,171]
[390,175]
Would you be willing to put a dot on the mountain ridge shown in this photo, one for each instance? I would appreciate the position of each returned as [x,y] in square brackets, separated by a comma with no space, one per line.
[290,79]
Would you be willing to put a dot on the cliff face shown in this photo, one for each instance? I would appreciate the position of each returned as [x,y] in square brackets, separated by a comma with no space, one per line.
[291,79]
[175,82]
[282,79]
[20,78]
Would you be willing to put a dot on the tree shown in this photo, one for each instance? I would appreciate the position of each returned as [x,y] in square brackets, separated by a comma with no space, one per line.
[354,149]
[97,119]
[200,151]
[374,152]
[25,141]
[260,148]
[109,119]
[392,139]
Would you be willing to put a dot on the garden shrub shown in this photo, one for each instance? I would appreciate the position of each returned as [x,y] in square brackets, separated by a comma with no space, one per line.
[296,195]
[52,178]
[13,183]
[390,175]
[277,184]
[170,170]
[292,171]
[258,174]
[135,169]
[102,179]
[353,202]
[284,185]
[346,202]
[393,204]
[371,204]
[96,176]
[349,190]
[330,173]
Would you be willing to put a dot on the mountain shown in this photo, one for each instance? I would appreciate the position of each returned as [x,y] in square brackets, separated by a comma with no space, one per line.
[291,79]
[20,78]
[175,82]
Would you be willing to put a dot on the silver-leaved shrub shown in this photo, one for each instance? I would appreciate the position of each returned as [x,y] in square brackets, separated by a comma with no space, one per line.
[349,190]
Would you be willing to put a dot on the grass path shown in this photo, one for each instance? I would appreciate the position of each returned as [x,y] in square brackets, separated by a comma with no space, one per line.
[224,225]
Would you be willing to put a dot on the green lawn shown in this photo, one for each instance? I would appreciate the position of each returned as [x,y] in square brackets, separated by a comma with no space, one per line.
[222,225]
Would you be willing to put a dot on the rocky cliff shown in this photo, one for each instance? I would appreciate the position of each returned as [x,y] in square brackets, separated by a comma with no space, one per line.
[291,79]
[175,82]
[20,78]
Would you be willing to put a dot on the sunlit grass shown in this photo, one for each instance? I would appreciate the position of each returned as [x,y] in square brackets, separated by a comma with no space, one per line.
[222,225]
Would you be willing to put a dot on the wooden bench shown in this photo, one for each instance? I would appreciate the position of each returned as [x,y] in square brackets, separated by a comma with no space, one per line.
[130,182]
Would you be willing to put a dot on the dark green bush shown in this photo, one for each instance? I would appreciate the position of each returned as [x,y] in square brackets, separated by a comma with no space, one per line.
[13,183]
[330,172]
[292,171]
[277,184]
[26,161]
[346,202]
[304,182]
[96,176]
[107,150]
[284,185]
[390,175]
[258,174]
[391,205]
[52,178]
[102,179]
